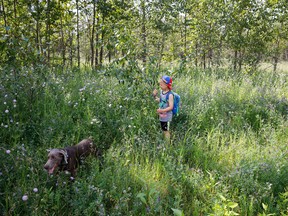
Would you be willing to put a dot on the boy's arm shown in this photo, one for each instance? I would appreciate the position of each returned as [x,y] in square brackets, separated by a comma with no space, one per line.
[155,92]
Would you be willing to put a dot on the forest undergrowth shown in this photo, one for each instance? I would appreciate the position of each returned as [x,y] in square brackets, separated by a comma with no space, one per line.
[227,156]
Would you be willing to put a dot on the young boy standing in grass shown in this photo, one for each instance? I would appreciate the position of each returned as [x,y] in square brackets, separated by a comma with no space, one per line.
[165,104]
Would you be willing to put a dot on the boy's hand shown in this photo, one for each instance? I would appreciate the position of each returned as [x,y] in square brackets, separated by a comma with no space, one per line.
[155,92]
[160,111]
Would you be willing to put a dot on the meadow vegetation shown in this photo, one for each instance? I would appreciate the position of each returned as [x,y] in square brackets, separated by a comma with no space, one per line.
[228,154]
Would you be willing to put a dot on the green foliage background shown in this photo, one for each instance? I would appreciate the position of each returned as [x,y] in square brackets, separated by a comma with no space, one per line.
[237,34]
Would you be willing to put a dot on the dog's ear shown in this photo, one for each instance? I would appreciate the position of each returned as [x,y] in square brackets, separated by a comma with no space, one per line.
[65,155]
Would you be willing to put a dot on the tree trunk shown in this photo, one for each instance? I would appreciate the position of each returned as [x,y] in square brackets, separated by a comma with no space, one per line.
[275,63]
[78,35]
[102,42]
[93,34]
[240,61]
[285,55]
[144,39]
[63,47]
[235,59]
[71,49]
[185,36]
[15,10]
[4,16]
[196,54]
[109,51]
[97,42]
[47,35]
[37,39]
[210,57]
[204,60]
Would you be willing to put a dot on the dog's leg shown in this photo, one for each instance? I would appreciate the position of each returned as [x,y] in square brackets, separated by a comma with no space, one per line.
[73,174]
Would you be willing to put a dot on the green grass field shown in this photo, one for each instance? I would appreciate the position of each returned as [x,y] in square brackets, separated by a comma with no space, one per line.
[228,154]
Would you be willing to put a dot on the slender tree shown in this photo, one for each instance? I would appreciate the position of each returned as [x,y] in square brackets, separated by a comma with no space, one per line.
[4,16]
[97,41]
[144,32]
[93,33]
[78,33]
[47,33]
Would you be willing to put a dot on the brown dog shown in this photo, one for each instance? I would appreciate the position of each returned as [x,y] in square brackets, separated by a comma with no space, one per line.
[68,159]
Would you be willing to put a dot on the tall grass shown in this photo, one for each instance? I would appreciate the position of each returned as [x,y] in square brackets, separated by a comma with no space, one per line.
[228,153]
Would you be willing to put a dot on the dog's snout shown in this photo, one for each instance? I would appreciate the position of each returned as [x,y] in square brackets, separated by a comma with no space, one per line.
[46,167]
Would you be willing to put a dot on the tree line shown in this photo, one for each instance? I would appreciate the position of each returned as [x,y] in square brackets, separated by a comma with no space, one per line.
[204,33]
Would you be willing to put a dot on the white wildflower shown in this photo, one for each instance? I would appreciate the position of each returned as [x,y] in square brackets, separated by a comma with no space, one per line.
[25,198]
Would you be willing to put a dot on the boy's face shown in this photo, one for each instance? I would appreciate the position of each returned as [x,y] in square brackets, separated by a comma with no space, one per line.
[163,85]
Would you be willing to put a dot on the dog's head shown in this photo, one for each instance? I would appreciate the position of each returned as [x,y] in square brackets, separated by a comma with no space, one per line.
[56,157]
